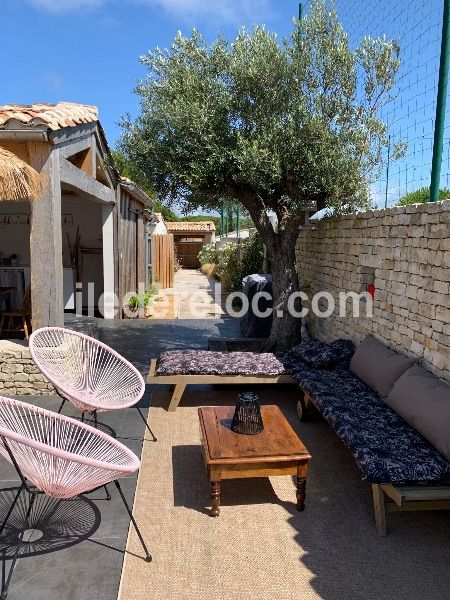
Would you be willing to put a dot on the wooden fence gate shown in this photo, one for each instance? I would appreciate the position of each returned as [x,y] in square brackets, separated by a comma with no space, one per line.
[163,259]
[187,254]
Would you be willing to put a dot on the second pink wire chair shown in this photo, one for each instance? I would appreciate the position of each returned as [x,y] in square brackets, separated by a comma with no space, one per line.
[89,374]
[60,457]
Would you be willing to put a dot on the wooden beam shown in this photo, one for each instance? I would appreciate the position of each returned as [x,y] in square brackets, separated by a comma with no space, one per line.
[102,172]
[70,148]
[109,308]
[46,240]
[379,507]
[79,181]
[69,135]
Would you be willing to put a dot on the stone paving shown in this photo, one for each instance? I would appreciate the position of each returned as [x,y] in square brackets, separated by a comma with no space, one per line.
[194,296]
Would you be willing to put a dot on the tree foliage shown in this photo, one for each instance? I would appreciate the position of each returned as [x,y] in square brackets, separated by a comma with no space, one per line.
[422,195]
[280,122]
[276,125]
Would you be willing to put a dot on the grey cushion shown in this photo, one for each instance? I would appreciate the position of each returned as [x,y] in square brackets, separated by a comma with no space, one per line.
[423,401]
[379,366]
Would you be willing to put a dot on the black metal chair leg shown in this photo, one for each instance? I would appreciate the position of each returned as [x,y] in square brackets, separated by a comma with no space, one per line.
[94,414]
[148,556]
[4,592]
[61,407]
[11,508]
[146,424]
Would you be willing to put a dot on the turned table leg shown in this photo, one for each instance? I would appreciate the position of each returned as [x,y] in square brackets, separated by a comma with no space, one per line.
[302,470]
[215,498]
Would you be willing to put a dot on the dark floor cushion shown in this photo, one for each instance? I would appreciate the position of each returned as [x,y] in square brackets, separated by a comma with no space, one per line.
[423,401]
[379,366]
[205,362]
[385,447]
[315,353]
[320,355]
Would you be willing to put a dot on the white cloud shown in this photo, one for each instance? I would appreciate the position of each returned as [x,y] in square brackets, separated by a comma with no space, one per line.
[393,195]
[222,11]
[52,81]
[60,6]
[229,11]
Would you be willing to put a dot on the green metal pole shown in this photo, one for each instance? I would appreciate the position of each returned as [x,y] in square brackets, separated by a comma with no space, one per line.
[440,105]
[238,220]
[387,172]
[222,220]
[300,11]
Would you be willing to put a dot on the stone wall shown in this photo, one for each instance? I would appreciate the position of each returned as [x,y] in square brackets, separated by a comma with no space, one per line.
[405,253]
[18,374]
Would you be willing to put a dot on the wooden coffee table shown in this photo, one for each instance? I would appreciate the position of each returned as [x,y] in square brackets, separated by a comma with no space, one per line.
[229,455]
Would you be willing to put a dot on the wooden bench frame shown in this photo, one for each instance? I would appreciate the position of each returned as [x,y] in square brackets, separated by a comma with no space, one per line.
[181,381]
[388,497]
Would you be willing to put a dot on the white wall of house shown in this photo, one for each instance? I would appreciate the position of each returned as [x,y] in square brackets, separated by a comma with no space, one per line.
[79,212]
[158,228]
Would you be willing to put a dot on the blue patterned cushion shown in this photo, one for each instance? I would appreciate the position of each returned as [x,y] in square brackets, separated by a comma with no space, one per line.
[344,350]
[314,353]
[385,447]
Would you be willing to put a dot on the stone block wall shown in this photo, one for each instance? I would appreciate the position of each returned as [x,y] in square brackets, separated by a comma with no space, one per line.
[404,252]
[18,374]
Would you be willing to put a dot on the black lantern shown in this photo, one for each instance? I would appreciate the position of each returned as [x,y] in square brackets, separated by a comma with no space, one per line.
[247,417]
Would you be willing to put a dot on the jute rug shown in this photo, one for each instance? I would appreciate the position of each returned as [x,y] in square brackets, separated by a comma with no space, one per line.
[261,548]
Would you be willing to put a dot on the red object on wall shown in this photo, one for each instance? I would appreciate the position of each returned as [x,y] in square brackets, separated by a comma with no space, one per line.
[371,290]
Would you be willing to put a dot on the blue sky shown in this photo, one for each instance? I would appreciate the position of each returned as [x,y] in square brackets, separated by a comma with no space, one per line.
[87,50]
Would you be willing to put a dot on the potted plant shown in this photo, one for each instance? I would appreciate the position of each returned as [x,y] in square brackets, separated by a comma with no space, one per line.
[138,305]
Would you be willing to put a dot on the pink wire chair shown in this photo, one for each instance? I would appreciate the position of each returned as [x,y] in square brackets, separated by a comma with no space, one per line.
[86,372]
[61,458]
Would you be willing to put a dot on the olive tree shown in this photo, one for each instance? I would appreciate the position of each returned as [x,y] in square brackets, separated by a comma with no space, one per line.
[277,125]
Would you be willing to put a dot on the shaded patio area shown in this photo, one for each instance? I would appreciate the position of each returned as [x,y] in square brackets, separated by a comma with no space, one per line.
[260,546]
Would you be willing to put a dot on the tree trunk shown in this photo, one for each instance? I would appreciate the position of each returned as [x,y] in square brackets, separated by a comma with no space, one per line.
[280,245]
[285,331]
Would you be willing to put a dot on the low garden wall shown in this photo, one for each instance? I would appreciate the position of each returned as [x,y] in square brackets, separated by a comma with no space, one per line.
[18,374]
[404,253]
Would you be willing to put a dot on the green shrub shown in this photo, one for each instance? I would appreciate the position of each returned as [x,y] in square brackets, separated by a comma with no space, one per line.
[208,255]
[422,195]
[226,261]
[237,261]
[253,256]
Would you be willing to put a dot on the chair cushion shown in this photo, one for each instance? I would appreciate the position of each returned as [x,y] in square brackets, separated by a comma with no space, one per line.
[320,355]
[205,362]
[423,401]
[379,366]
[344,350]
[385,447]
[314,353]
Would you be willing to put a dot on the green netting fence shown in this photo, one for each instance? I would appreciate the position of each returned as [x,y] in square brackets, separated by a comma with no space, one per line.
[410,114]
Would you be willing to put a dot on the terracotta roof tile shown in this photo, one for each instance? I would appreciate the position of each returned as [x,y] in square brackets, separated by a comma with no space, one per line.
[55,116]
[190,226]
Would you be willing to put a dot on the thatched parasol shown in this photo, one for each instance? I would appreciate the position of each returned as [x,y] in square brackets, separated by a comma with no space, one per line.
[18,181]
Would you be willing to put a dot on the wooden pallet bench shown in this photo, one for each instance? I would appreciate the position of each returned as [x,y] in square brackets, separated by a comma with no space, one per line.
[181,381]
[389,497]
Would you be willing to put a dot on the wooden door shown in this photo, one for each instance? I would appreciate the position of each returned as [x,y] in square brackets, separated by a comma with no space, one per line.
[188,254]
